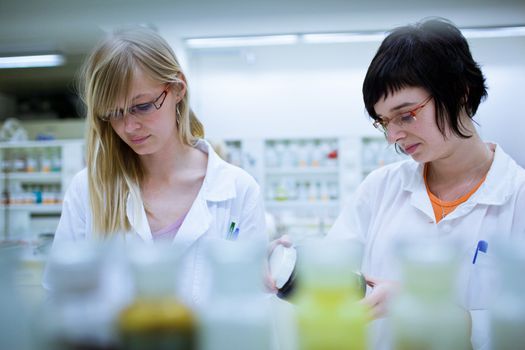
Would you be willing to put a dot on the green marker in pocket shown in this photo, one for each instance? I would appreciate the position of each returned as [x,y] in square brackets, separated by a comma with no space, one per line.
[231,230]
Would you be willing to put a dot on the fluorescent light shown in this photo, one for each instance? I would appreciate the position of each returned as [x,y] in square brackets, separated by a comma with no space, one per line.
[342,37]
[31,61]
[200,43]
[379,36]
[493,32]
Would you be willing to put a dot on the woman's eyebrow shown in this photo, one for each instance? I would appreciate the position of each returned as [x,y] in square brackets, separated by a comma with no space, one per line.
[397,108]
[401,106]
[139,96]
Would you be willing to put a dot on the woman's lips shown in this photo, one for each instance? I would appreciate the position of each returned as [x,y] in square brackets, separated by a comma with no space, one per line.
[412,148]
[138,140]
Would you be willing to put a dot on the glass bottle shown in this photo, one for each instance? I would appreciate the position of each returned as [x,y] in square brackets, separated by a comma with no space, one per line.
[76,315]
[156,319]
[31,163]
[45,160]
[425,314]
[15,329]
[507,313]
[56,160]
[271,156]
[236,312]
[329,315]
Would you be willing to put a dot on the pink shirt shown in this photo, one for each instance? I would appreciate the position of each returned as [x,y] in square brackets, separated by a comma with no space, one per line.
[169,232]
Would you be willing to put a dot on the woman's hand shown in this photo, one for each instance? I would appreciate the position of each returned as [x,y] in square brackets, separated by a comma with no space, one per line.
[268,280]
[378,299]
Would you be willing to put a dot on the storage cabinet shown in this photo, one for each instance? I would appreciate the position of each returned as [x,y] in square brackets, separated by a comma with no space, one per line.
[33,178]
[306,181]
[301,171]
[301,184]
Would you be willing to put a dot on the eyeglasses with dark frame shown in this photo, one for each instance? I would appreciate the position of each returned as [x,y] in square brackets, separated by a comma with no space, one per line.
[402,119]
[139,110]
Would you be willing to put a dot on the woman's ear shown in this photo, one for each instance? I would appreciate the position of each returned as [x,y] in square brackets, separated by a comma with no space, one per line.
[179,87]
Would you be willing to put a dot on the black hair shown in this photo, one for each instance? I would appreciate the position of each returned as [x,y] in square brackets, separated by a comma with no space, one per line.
[433,55]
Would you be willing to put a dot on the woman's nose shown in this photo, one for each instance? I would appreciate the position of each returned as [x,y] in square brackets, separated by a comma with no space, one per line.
[394,133]
[131,123]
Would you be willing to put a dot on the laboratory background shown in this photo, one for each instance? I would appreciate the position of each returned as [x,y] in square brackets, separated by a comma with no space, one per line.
[277,85]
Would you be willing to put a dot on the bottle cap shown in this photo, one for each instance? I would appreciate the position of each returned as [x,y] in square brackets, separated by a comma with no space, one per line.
[282,264]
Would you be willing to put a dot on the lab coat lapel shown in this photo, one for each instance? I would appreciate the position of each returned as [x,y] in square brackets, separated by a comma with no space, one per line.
[137,216]
[418,193]
[495,190]
[419,200]
[500,189]
[498,185]
[216,187]
[196,223]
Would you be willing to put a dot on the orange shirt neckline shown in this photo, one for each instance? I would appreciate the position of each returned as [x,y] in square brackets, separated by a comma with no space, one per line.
[443,208]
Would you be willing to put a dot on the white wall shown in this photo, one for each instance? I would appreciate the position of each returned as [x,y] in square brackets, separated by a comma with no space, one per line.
[315,91]
[502,115]
[299,90]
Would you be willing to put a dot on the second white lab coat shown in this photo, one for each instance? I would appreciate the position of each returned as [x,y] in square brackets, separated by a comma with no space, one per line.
[228,194]
[393,201]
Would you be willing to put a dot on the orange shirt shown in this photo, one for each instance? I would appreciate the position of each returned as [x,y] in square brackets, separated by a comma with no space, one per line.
[443,208]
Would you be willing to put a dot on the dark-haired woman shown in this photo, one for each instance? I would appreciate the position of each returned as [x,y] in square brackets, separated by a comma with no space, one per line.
[422,91]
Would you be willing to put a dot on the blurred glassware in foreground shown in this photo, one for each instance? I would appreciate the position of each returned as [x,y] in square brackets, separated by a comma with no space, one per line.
[329,314]
[508,309]
[283,262]
[156,319]
[425,314]
[14,316]
[76,316]
[236,314]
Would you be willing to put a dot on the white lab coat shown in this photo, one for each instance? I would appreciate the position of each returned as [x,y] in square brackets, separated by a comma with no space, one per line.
[393,200]
[228,194]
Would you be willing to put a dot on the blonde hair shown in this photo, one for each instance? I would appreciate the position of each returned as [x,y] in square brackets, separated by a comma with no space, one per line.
[114,169]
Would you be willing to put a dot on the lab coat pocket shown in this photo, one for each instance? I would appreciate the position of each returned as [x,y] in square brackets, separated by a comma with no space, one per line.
[482,282]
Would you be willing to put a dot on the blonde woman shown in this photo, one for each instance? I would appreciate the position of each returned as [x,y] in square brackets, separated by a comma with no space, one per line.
[150,174]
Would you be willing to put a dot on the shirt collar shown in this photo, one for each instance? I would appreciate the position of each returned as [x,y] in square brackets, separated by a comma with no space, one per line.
[218,186]
[219,182]
[499,184]
[496,188]
[414,174]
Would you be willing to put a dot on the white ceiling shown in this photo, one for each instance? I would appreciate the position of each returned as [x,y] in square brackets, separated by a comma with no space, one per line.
[73,26]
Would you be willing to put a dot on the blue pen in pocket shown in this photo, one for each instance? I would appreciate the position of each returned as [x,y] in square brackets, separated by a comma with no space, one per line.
[482,246]
[235,234]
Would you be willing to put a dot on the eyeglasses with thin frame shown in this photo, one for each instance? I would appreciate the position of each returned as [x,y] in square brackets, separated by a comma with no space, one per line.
[403,119]
[139,110]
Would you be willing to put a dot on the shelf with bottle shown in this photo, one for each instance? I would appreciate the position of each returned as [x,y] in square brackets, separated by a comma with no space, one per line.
[306,223]
[301,191]
[301,170]
[376,152]
[301,154]
[33,178]
[34,208]
[233,152]
[302,184]
[17,159]
[36,197]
